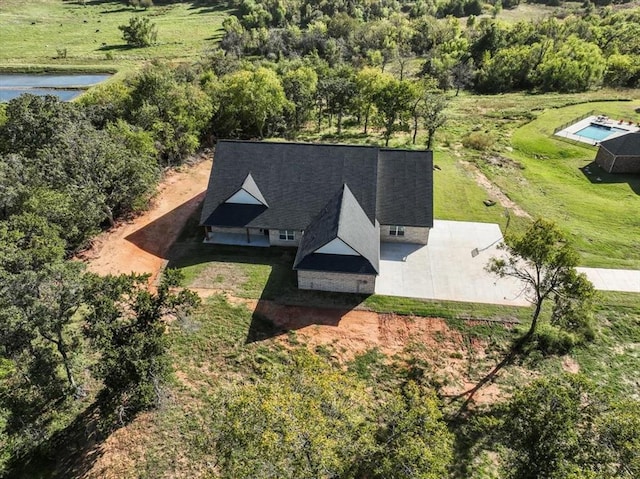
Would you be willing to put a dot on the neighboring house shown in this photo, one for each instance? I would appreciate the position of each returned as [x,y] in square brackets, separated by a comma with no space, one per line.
[334,202]
[620,154]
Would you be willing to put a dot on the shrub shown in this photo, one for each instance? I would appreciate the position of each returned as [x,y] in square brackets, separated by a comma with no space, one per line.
[478,141]
[550,340]
[140,32]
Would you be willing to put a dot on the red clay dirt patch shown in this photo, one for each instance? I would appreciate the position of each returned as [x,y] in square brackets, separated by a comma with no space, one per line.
[141,244]
[349,333]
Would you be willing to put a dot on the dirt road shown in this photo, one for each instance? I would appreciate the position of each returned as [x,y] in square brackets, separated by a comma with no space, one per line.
[141,244]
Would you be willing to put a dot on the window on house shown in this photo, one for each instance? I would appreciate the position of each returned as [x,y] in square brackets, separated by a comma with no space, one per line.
[396,230]
[287,235]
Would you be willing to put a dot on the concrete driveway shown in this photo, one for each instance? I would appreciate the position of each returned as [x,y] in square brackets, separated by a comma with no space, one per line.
[450,267]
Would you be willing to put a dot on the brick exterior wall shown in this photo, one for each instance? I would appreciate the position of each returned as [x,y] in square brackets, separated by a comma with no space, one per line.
[604,159]
[627,164]
[412,234]
[340,282]
[621,164]
[274,239]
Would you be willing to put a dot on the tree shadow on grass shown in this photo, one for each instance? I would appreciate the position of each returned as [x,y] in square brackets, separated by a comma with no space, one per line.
[70,452]
[109,48]
[596,175]
[210,6]
[517,350]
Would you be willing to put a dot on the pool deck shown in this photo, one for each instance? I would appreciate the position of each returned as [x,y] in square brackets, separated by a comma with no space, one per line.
[570,131]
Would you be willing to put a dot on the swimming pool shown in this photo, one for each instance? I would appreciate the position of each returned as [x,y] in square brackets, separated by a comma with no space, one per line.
[598,132]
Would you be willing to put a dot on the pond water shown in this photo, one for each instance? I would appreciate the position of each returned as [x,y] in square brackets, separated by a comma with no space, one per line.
[64,86]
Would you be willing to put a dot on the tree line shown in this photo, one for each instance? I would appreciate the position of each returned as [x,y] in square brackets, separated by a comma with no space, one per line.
[591,48]
[68,336]
[310,419]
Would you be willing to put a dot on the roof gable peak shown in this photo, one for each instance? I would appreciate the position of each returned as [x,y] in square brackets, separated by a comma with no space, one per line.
[249,193]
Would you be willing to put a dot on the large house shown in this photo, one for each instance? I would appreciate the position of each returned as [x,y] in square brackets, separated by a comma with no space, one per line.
[335,203]
[620,154]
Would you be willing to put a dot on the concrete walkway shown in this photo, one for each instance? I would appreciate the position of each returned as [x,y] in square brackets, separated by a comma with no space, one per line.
[627,280]
[451,267]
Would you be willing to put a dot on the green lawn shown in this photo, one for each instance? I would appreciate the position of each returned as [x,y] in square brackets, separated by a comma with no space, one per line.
[32,32]
[598,210]
[542,173]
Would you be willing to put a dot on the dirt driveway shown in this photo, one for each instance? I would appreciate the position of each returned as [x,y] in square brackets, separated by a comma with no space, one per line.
[141,245]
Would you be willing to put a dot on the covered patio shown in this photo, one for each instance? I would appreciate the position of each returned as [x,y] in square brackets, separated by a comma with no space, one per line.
[237,239]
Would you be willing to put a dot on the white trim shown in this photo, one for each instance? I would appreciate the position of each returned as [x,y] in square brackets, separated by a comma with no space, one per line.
[337,246]
[243,198]
[396,230]
[287,235]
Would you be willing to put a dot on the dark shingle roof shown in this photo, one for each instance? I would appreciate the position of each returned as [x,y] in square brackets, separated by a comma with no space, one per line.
[624,145]
[336,263]
[405,188]
[296,179]
[341,218]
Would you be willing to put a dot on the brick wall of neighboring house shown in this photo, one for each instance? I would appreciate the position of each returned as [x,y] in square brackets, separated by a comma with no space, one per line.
[621,164]
[626,164]
[604,159]
[412,234]
[274,238]
[340,282]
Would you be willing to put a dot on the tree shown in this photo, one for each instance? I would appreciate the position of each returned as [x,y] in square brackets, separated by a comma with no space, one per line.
[172,108]
[564,427]
[414,441]
[368,82]
[431,111]
[124,322]
[392,101]
[38,341]
[573,66]
[249,102]
[462,74]
[337,90]
[85,160]
[299,86]
[545,262]
[139,33]
[33,122]
[308,421]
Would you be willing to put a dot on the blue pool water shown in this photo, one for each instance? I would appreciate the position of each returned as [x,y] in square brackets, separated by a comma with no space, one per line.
[598,132]
[65,87]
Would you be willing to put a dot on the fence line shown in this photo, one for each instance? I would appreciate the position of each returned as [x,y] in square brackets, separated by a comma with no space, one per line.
[576,120]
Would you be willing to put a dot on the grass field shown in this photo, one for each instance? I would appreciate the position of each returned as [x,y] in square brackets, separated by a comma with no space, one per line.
[598,210]
[543,174]
[35,32]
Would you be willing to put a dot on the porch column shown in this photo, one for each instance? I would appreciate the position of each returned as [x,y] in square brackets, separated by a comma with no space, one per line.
[248,236]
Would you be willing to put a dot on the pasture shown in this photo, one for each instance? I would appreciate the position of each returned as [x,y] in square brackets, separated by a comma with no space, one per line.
[69,34]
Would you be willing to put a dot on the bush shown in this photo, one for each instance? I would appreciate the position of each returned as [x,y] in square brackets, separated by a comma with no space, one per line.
[477,141]
[140,32]
[550,340]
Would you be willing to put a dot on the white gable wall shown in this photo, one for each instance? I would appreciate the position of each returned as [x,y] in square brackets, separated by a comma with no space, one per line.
[243,198]
[337,246]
